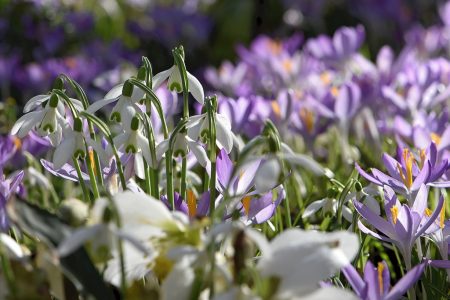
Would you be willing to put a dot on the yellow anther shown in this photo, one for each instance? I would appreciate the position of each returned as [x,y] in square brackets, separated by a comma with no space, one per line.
[191,203]
[394,213]
[436,138]
[325,78]
[92,161]
[442,216]
[428,212]
[307,117]
[409,160]
[287,65]
[246,204]
[276,108]
[380,277]
[17,142]
[275,47]
[423,156]
[334,91]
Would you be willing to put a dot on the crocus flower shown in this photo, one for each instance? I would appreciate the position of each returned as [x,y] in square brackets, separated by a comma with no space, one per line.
[175,84]
[408,174]
[404,224]
[376,284]
[8,186]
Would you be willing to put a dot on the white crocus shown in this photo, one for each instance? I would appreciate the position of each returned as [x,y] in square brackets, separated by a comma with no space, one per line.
[126,96]
[198,127]
[175,84]
[301,259]
[49,121]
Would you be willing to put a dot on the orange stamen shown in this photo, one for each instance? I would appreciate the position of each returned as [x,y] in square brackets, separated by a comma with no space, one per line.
[17,142]
[287,65]
[191,203]
[380,277]
[246,204]
[325,78]
[442,216]
[394,212]
[334,91]
[409,160]
[307,117]
[276,108]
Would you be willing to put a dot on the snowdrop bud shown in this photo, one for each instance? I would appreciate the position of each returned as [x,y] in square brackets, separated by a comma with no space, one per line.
[77,125]
[134,124]
[141,73]
[58,84]
[127,89]
[74,212]
[181,51]
[53,100]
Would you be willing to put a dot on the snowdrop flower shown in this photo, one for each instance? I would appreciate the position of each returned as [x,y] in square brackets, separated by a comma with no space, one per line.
[328,205]
[182,145]
[270,169]
[198,127]
[126,96]
[132,141]
[48,121]
[40,100]
[175,84]
[301,259]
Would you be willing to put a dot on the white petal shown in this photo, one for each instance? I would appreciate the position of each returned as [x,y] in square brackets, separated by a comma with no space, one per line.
[77,103]
[35,102]
[10,247]
[224,136]
[159,78]
[115,92]
[63,153]
[267,175]
[199,152]
[99,104]
[145,149]
[161,149]
[313,207]
[327,293]
[307,162]
[178,284]
[26,123]
[139,165]
[196,88]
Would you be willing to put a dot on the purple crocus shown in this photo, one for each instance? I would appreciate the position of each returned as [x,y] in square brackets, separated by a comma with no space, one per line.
[407,174]
[404,224]
[8,186]
[375,285]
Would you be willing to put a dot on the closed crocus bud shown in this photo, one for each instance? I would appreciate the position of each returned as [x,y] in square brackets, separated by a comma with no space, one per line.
[74,212]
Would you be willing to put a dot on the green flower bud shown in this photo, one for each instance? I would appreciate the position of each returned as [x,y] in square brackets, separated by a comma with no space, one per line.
[127,89]
[141,73]
[135,123]
[74,212]
[54,100]
[58,84]
[77,125]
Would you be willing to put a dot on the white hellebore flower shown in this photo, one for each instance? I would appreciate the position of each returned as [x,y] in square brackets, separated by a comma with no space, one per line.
[126,96]
[301,259]
[48,121]
[198,127]
[175,84]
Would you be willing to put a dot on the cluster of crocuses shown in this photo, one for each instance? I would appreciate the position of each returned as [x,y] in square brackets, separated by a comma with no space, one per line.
[164,198]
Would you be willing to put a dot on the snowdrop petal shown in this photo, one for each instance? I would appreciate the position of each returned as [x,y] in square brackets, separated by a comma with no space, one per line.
[26,123]
[159,78]
[198,151]
[224,136]
[63,153]
[267,175]
[99,104]
[313,208]
[35,102]
[79,237]
[10,247]
[196,88]
[115,92]
[178,284]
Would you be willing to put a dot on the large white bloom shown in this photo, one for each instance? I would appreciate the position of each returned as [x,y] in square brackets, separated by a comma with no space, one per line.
[175,84]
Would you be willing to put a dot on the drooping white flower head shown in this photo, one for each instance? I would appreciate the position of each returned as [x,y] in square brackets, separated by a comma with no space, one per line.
[175,84]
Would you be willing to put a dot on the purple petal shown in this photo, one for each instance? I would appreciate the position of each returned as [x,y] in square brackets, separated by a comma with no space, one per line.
[367,175]
[432,218]
[375,220]
[406,282]
[355,280]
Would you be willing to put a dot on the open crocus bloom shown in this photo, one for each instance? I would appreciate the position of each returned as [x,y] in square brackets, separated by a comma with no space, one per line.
[174,83]
[8,187]
[404,224]
[408,174]
[301,259]
[377,281]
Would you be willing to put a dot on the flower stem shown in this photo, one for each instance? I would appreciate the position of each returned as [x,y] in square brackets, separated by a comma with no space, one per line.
[81,180]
